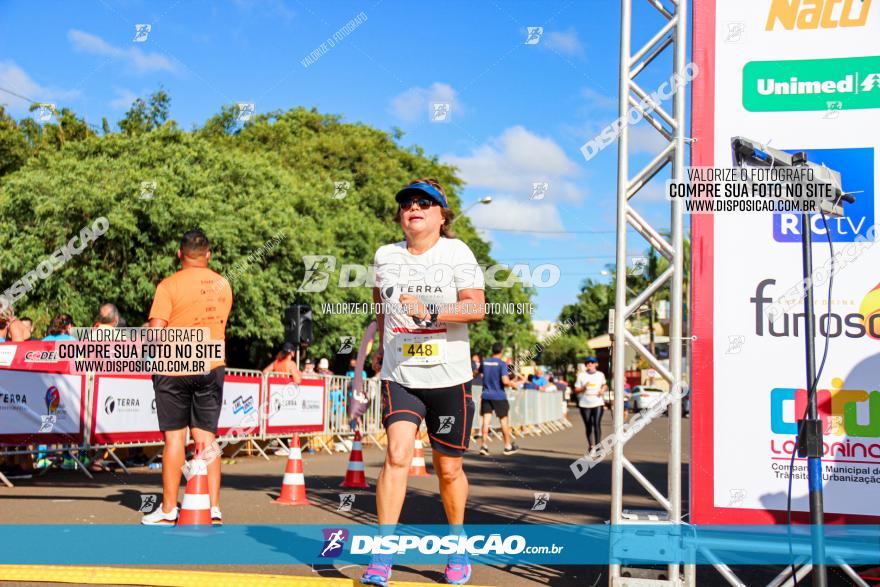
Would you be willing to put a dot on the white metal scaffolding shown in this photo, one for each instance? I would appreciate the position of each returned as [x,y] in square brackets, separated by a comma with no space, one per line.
[671,126]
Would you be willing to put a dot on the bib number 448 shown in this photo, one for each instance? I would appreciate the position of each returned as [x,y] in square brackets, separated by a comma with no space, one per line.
[420,350]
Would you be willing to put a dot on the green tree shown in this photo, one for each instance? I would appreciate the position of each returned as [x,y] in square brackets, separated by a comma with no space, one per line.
[14,146]
[563,353]
[271,179]
[589,314]
[144,116]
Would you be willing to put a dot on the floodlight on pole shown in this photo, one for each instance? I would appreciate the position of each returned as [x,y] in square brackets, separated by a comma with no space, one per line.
[750,153]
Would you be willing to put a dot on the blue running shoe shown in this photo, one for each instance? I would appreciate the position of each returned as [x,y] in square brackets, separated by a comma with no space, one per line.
[458,569]
[378,572]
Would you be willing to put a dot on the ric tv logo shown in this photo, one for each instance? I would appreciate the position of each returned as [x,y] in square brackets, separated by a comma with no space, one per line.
[842,411]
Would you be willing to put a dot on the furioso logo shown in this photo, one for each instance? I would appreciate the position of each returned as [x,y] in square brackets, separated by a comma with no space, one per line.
[334,541]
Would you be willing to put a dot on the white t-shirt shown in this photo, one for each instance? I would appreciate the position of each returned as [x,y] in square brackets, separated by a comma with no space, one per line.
[426,357]
[592,384]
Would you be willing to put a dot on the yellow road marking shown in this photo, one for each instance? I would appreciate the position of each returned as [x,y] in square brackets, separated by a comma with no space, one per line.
[168,577]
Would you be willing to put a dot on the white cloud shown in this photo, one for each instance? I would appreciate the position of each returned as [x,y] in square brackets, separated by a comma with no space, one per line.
[598,99]
[654,191]
[272,8]
[512,162]
[415,103]
[510,213]
[644,138]
[566,43]
[140,61]
[123,99]
[15,79]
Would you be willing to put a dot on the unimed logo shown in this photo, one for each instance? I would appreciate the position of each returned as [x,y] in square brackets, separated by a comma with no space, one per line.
[809,84]
[815,14]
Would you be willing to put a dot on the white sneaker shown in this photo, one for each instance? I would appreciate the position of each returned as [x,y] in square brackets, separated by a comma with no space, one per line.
[216,516]
[160,517]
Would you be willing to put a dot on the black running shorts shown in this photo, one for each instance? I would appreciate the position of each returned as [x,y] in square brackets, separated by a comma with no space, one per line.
[189,400]
[501,407]
[448,413]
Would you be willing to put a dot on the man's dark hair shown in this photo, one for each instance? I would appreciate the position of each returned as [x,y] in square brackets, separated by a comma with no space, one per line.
[25,319]
[60,323]
[497,348]
[194,243]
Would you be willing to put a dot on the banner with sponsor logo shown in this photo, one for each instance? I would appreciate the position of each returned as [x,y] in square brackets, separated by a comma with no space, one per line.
[295,408]
[241,406]
[32,355]
[40,408]
[796,75]
[124,410]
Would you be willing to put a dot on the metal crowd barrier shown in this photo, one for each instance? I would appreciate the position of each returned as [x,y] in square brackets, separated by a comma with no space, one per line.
[532,413]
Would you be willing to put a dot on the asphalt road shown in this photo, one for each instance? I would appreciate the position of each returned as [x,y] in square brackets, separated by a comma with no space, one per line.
[501,492]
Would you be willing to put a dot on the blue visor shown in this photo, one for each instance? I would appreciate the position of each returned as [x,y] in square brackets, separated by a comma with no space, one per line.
[590,360]
[421,189]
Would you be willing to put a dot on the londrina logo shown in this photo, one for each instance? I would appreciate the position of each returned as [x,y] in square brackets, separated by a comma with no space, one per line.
[334,542]
[856,167]
[53,399]
[838,410]
[809,84]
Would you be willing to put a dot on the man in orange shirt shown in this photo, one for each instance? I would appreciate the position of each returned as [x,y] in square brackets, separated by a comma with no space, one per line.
[194,297]
[285,363]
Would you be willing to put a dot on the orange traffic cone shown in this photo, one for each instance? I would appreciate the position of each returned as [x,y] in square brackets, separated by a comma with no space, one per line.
[196,506]
[354,475]
[293,486]
[417,466]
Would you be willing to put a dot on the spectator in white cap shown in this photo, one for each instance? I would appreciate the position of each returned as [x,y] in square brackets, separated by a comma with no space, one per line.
[324,367]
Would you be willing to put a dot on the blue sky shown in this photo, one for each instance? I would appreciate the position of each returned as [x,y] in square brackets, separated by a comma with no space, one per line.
[519,112]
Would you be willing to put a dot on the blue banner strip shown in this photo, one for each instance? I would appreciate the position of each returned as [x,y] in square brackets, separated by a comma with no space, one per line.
[424,544]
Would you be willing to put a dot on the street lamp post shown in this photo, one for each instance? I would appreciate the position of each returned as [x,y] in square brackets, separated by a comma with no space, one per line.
[483,200]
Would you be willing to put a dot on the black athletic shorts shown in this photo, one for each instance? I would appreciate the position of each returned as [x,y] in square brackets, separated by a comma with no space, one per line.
[501,407]
[448,413]
[189,400]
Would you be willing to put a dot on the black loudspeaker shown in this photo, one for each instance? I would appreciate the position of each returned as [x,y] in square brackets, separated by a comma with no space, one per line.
[298,324]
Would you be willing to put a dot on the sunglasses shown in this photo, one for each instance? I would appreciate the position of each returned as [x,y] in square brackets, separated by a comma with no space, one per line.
[423,203]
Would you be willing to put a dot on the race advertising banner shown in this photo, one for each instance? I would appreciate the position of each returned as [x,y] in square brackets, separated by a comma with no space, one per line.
[41,407]
[797,77]
[32,356]
[124,410]
[241,406]
[295,408]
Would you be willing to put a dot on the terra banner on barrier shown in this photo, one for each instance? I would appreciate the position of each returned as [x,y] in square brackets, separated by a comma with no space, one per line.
[799,76]
[295,408]
[124,410]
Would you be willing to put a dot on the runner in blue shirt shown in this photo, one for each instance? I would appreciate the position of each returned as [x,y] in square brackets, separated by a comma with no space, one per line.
[494,399]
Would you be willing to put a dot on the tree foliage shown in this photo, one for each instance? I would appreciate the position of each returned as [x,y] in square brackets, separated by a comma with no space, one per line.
[245,185]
